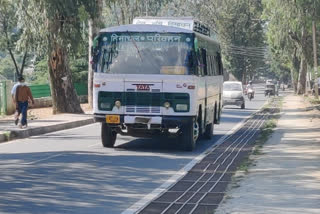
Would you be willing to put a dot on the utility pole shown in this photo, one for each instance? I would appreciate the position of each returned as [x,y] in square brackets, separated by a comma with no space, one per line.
[315,58]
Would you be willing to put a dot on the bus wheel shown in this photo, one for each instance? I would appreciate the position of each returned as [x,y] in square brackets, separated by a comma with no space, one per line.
[108,136]
[219,114]
[209,131]
[190,134]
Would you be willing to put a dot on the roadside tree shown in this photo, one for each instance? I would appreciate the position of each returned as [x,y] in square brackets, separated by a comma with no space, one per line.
[10,33]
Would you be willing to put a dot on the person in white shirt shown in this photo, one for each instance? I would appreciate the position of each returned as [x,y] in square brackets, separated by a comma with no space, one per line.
[250,86]
[13,94]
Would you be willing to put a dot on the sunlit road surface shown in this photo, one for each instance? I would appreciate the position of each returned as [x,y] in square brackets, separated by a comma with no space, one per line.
[70,171]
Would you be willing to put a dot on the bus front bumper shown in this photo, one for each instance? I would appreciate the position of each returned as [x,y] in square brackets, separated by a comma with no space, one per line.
[148,120]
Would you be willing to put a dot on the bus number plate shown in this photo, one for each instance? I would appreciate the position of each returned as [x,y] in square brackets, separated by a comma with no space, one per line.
[114,119]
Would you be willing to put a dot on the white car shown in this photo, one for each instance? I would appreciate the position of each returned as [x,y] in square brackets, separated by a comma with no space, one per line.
[233,94]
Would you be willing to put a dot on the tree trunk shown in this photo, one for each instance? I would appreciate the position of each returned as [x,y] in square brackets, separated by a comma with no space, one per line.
[303,64]
[64,96]
[90,69]
[293,81]
[94,24]
[296,65]
[24,60]
[302,77]
[14,62]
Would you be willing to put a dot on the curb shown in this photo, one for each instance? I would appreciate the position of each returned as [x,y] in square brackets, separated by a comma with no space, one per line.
[11,135]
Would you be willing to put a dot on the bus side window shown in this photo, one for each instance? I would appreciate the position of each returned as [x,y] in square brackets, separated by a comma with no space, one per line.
[214,66]
[210,67]
[192,62]
[219,64]
[213,73]
[204,61]
[199,71]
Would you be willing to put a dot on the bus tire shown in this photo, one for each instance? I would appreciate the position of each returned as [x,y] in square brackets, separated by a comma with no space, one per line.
[219,114]
[209,131]
[108,136]
[190,134]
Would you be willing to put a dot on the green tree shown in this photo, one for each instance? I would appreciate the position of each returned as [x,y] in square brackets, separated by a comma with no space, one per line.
[123,11]
[10,33]
[237,24]
[56,30]
[7,67]
[289,35]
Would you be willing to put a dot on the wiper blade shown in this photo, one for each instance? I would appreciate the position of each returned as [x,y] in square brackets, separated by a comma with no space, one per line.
[135,45]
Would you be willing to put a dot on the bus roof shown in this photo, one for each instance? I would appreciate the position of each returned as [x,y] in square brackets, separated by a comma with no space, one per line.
[188,23]
[145,28]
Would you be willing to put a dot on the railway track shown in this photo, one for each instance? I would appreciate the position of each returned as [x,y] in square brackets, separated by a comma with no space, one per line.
[202,189]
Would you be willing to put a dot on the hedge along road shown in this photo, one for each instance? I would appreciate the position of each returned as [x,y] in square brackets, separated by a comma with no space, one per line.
[70,172]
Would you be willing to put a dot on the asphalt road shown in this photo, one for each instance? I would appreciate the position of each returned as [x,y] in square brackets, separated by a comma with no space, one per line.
[70,172]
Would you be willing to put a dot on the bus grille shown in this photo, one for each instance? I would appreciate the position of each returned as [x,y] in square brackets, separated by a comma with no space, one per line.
[143,109]
[141,102]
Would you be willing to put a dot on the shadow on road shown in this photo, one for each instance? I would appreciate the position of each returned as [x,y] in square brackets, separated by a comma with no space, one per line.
[164,145]
[80,182]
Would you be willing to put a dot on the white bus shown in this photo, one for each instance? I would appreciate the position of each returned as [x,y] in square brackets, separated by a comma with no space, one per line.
[155,80]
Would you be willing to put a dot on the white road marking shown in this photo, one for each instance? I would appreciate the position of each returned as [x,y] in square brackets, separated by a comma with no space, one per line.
[94,145]
[43,159]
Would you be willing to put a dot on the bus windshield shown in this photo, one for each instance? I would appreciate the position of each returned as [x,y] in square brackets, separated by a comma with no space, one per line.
[145,53]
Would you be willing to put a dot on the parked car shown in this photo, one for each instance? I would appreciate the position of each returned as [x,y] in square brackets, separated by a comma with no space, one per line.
[233,94]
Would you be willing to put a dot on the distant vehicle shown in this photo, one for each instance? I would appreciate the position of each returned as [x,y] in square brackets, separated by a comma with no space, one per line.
[271,90]
[250,93]
[153,80]
[233,94]
[269,81]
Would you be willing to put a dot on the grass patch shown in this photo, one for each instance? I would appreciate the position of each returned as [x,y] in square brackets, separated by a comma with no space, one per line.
[265,133]
[245,165]
[273,109]
[7,135]
[315,103]
[313,100]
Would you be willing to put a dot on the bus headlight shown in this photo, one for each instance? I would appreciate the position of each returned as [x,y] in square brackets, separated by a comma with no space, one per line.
[182,107]
[117,104]
[166,105]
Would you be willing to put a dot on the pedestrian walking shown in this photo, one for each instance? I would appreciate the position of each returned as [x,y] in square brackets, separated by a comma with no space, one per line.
[22,97]
[13,94]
